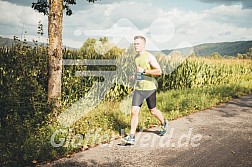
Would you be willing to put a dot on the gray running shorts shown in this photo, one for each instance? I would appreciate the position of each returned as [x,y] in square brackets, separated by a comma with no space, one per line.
[140,95]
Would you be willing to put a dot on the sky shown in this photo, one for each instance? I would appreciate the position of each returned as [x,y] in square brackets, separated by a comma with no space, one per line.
[167,24]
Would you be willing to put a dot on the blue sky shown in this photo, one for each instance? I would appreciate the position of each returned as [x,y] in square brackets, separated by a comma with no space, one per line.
[166,24]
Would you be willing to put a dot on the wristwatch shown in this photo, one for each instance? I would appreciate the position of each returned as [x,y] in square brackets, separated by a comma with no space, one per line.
[144,71]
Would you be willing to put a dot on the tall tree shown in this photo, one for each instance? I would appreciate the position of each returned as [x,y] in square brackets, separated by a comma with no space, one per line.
[54,10]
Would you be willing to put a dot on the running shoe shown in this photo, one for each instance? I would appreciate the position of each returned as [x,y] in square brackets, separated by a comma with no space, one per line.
[163,128]
[128,140]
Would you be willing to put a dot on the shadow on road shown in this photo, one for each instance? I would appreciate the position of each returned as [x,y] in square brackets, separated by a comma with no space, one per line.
[87,164]
[241,104]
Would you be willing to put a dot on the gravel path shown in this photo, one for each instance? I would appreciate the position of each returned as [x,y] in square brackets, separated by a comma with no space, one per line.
[221,136]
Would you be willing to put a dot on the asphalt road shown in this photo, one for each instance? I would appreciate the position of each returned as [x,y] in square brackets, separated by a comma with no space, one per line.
[221,136]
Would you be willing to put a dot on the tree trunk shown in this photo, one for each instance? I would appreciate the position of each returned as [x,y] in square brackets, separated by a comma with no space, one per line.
[55,18]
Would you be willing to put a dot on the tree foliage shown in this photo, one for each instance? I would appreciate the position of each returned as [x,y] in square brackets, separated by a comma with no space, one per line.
[99,49]
[42,6]
[247,55]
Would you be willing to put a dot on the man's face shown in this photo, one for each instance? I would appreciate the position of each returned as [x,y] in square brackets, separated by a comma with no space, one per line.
[139,45]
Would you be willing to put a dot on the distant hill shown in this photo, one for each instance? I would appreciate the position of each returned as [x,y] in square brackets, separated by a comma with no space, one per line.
[223,48]
[6,42]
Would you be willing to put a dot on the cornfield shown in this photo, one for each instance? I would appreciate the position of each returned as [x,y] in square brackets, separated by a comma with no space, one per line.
[200,72]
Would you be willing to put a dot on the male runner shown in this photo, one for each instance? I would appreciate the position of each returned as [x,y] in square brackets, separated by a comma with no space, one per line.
[147,68]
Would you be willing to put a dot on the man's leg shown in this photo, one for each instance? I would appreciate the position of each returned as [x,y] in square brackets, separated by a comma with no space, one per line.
[157,113]
[164,123]
[136,104]
[134,119]
[151,101]
[130,139]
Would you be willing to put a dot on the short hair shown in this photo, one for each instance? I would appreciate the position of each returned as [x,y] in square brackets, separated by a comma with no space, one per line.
[140,37]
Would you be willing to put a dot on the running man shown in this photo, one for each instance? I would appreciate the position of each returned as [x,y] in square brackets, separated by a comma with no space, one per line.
[146,86]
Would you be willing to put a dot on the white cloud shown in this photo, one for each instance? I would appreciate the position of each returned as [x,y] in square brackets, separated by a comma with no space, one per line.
[230,14]
[19,15]
[20,19]
[106,16]
[72,43]
[7,17]
[218,24]
[185,21]
[224,23]
[109,11]
[246,4]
